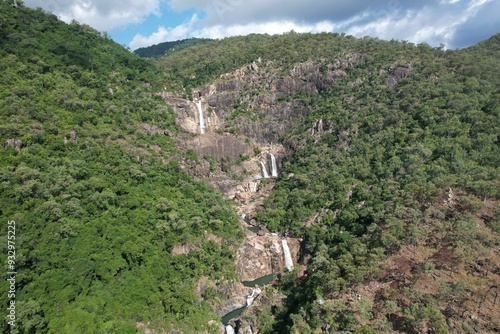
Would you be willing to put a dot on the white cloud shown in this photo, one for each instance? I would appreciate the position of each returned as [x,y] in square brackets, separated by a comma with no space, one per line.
[186,30]
[431,24]
[102,15]
[163,34]
[430,21]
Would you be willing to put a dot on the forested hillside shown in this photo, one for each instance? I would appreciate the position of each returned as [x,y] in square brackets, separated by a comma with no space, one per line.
[167,48]
[91,176]
[388,182]
[390,177]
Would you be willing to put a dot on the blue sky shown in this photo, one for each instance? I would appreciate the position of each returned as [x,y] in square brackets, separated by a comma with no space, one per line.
[134,23]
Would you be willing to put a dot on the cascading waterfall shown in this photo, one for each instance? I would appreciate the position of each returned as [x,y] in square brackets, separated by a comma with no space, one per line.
[202,120]
[264,170]
[255,187]
[255,293]
[229,329]
[274,168]
[288,256]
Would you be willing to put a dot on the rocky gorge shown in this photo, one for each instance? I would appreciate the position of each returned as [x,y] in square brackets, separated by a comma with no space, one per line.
[234,125]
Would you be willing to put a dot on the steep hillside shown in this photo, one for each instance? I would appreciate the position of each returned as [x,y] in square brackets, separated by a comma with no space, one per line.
[167,48]
[91,181]
[368,168]
[389,173]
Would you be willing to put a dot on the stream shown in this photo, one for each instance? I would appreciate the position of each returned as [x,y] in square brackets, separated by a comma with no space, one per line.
[260,282]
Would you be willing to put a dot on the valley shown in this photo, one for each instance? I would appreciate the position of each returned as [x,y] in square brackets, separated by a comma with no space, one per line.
[293,183]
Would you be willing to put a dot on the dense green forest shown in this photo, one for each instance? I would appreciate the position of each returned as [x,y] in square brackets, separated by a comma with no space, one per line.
[398,187]
[93,183]
[168,48]
[407,161]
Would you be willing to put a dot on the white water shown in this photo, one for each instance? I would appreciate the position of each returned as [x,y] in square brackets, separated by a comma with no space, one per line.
[264,170]
[229,329]
[274,168]
[255,293]
[288,256]
[255,187]
[202,120]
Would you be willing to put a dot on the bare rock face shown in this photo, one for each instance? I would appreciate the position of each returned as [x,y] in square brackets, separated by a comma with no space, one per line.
[263,255]
[259,96]
[220,327]
[184,249]
[398,74]
[219,146]
[15,143]
[234,294]
[199,169]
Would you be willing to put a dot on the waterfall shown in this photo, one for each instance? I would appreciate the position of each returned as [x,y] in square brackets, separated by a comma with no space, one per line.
[288,256]
[202,121]
[255,293]
[274,169]
[229,329]
[264,170]
[255,187]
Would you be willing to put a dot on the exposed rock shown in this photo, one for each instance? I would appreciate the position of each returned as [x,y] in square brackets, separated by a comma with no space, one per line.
[234,294]
[155,148]
[213,237]
[399,74]
[144,327]
[219,146]
[150,129]
[263,255]
[242,196]
[198,168]
[224,165]
[244,327]
[257,93]
[183,249]
[15,143]
[218,324]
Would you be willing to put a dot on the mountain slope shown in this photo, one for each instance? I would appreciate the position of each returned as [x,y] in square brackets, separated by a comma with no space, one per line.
[390,163]
[167,48]
[90,176]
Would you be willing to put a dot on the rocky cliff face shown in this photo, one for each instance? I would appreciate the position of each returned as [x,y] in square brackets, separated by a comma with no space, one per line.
[258,100]
[234,294]
[263,255]
[245,114]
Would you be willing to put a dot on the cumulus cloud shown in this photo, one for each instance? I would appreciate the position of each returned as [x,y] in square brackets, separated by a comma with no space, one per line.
[484,24]
[163,34]
[103,15]
[239,12]
[455,23]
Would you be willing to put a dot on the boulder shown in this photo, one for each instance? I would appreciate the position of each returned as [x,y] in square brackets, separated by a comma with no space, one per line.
[15,143]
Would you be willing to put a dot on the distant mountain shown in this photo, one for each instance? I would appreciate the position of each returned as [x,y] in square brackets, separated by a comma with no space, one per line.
[166,48]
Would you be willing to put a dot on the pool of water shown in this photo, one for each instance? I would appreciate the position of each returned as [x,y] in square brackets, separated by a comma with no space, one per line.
[254,229]
[260,281]
[232,314]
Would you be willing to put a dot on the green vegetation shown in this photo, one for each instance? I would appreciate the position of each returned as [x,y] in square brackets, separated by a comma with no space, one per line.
[168,48]
[400,185]
[385,167]
[408,160]
[98,211]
